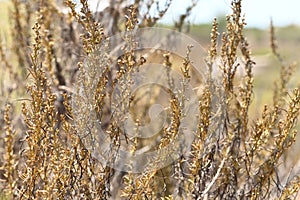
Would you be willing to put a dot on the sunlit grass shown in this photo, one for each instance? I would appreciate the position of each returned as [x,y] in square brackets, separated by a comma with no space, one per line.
[240,139]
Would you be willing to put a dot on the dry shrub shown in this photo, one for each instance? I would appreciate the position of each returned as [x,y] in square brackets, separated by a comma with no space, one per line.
[43,153]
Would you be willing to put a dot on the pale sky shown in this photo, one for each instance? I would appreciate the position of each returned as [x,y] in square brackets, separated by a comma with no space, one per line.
[258,12]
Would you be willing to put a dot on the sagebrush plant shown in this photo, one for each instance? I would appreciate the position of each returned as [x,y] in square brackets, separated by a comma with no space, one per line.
[44,151]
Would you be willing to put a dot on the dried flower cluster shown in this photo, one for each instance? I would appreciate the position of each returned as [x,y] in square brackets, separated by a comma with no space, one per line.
[43,153]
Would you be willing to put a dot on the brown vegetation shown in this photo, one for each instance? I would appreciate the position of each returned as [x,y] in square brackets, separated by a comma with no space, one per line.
[43,142]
